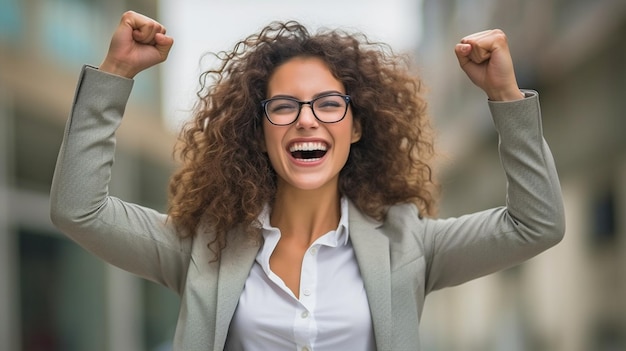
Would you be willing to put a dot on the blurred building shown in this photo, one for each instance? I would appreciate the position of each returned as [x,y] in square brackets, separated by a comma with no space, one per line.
[570,298]
[54,295]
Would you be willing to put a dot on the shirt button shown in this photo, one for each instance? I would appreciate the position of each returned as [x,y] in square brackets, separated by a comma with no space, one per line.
[313,251]
[306,292]
[305,314]
[305,349]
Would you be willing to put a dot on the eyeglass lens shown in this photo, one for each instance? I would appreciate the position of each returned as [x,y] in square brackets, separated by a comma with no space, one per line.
[328,109]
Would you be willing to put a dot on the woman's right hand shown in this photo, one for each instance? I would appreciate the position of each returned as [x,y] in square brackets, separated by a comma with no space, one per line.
[139,42]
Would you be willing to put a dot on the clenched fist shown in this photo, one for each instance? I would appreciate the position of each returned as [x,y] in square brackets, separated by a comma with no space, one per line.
[139,42]
[486,59]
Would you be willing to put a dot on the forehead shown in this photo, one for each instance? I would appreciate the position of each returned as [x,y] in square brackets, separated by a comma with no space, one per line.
[303,77]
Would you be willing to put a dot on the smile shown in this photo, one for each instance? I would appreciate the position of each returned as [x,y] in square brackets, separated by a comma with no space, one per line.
[308,151]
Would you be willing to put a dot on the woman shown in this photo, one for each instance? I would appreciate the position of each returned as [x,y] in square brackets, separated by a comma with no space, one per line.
[298,219]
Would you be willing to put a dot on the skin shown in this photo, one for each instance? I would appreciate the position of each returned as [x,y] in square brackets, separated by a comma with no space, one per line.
[486,59]
[307,200]
[137,44]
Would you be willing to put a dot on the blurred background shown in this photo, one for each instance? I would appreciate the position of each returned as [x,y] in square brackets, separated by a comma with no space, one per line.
[55,296]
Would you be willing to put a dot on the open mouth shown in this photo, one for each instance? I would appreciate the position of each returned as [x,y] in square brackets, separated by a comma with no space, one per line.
[309,151]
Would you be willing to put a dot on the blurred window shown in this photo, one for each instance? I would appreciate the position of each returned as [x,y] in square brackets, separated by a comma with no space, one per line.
[604,219]
[72,31]
[10,20]
[160,315]
[61,294]
[37,142]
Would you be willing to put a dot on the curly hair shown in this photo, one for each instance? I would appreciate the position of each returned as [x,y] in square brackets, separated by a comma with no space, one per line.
[226,179]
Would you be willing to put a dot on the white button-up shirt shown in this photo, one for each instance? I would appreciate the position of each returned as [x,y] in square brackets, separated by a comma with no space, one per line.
[332,312]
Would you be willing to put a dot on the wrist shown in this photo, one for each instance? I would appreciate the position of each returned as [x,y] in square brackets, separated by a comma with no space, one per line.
[506,95]
[117,68]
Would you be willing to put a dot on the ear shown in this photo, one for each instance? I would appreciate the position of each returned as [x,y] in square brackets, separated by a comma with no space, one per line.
[356,132]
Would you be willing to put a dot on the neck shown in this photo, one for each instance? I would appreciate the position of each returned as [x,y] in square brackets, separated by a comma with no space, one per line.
[305,215]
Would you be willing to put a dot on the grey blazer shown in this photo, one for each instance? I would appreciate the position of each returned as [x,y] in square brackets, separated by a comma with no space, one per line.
[401,259]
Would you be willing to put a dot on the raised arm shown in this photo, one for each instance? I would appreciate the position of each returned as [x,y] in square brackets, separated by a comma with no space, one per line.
[134,238]
[464,248]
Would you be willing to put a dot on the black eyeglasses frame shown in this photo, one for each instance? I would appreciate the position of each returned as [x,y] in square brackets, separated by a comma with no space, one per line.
[301,103]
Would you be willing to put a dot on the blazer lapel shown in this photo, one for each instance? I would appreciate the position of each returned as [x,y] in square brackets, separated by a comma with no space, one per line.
[371,248]
[235,264]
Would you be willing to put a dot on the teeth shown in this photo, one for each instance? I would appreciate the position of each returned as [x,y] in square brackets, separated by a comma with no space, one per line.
[309,159]
[309,146]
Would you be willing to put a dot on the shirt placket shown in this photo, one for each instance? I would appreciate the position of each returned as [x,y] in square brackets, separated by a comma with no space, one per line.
[305,327]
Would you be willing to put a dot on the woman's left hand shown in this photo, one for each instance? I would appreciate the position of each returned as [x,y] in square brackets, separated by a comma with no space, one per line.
[486,59]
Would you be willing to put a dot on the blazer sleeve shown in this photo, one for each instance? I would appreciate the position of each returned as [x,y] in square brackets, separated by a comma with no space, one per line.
[460,249]
[134,238]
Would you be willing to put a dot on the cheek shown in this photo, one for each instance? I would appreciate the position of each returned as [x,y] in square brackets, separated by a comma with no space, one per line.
[344,140]
[271,141]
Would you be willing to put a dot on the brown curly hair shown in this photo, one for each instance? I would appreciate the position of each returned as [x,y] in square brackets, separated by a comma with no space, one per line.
[226,179]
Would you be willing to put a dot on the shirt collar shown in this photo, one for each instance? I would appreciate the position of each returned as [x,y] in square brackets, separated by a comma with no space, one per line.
[337,237]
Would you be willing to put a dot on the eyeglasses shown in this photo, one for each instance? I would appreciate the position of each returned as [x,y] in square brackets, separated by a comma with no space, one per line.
[283,111]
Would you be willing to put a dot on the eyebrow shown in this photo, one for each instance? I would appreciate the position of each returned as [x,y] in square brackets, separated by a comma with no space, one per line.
[327,92]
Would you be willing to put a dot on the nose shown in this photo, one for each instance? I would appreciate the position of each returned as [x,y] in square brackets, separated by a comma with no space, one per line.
[306,119]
